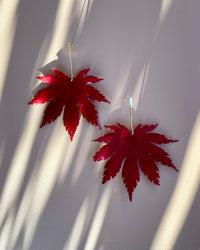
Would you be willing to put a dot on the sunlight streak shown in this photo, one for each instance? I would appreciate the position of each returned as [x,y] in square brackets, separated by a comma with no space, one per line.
[6,231]
[19,162]
[75,236]
[8,21]
[102,248]
[165,7]
[82,221]
[60,29]
[80,157]
[22,212]
[70,151]
[139,86]
[2,149]
[183,195]
[84,9]
[45,180]
[98,220]
[38,62]
[122,80]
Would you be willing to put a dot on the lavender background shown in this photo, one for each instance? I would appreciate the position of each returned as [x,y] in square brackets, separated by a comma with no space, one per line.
[51,196]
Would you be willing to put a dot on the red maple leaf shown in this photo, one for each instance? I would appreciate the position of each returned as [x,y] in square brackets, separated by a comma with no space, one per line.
[131,151]
[74,96]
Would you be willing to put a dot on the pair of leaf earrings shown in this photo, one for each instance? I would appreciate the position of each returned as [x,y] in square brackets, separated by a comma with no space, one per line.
[123,148]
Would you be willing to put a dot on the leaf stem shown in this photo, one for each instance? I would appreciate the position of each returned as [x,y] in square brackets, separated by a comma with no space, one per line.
[131,113]
[70,60]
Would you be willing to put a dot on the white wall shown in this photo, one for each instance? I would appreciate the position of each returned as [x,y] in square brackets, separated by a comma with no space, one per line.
[51,192]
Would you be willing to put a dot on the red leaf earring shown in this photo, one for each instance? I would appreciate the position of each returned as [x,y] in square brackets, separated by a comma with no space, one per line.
[131,150]
[73,94]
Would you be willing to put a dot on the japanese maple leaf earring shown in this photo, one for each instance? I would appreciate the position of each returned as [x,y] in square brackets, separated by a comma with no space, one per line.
[74,95]
[130,150]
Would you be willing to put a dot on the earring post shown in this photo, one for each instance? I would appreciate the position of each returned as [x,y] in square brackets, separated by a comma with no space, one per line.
[70,60]
[131,113]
